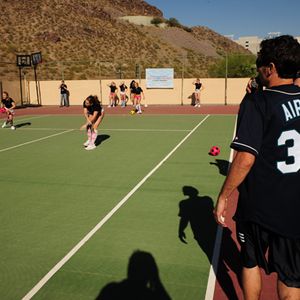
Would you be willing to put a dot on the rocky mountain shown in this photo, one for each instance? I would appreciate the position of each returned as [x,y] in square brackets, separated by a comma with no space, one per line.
[88,39]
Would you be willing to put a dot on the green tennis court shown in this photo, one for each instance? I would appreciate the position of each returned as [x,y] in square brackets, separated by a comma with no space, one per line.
[54,193]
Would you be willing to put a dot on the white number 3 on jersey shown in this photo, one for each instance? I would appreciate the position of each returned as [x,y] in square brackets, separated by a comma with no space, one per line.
[293,151]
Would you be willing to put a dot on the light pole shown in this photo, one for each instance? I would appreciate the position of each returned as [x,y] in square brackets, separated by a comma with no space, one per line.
[182,78]
[226,75]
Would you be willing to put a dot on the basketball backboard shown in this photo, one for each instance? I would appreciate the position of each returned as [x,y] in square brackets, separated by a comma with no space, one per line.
[23,60]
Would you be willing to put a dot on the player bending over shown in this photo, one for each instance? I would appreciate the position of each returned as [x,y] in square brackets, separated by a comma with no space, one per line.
[7,105]
[94,114]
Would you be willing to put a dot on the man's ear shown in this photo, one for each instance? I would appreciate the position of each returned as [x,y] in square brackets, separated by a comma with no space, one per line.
[271,69]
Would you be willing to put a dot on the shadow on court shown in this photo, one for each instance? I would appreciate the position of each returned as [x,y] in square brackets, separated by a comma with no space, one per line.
[222,164]
[197,211]
[193,99]
[142,281]
[101,138]
[22,124]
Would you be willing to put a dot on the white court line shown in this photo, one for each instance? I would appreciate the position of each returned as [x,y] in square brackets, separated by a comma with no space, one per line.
[211,283]
[31,118]
[141,130]
[69,255]
[34,141]
[114,129]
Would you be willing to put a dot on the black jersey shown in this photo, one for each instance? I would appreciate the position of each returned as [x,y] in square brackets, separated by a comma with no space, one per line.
[269,127]
[138,90]
[63,88]
[112,88]
[123,88]
[95,107]
[198,86]
[8,102]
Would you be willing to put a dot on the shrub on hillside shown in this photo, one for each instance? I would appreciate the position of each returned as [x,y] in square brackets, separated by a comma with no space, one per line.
[157,21]
[172,22]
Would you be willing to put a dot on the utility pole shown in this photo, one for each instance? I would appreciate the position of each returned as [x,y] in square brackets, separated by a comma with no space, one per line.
[182,78]
[226,75]
[100,81]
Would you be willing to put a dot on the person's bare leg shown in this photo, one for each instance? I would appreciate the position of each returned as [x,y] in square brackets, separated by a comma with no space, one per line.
[287,293]
[251,280]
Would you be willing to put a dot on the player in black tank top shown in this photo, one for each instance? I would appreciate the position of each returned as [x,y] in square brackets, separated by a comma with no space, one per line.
[123,96]
[94,114]
[198,86]
[8,105]
[112,94]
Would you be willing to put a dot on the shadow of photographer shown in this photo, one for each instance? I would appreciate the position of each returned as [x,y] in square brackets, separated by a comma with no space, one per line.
[142,281]
[198,212]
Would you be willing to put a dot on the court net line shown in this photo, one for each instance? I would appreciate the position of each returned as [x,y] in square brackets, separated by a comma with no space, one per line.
[76,248]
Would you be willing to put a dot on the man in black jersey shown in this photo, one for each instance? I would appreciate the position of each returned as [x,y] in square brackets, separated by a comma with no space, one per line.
[266,171]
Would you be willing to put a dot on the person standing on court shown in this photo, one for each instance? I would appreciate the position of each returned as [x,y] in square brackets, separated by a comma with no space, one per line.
[112,94]
[132,91]
[266,171]
[138,97]
[198,88]
[123,96]
[64,93]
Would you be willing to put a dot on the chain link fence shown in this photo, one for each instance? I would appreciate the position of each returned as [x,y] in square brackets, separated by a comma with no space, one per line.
[95,69]
[234,65]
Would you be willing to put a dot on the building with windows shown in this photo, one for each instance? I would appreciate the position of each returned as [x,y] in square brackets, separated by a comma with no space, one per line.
[252,42]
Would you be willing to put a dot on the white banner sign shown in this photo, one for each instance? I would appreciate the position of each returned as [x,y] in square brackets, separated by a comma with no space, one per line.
[160,78]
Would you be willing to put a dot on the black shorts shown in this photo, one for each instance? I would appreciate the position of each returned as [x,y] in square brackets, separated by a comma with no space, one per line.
[270,251]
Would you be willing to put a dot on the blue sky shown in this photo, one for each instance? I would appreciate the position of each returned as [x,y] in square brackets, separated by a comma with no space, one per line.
[237,17]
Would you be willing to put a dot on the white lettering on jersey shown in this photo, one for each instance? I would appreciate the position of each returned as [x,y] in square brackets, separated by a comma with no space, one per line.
[292,110]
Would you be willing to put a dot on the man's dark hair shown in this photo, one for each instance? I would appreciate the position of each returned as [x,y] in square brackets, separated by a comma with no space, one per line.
[283,52]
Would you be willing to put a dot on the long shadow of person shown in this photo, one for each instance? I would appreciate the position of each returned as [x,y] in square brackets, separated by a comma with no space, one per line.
[198,212]
[222,164]
[101,138]
[142,282]
[68,98]
[22,124]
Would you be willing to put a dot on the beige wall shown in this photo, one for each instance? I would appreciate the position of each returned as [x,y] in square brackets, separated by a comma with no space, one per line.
[13,89]
[213,92]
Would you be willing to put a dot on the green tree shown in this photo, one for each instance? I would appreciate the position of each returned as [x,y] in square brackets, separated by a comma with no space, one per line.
[172,22]
[156,21]
[238,66]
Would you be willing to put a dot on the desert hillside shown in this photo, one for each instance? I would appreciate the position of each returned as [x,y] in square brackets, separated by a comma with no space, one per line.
[86,40]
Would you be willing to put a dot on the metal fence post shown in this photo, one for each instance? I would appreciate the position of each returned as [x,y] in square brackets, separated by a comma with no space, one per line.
[226,75]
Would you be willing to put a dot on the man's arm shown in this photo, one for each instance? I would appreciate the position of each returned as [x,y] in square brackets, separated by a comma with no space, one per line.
[240,167]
